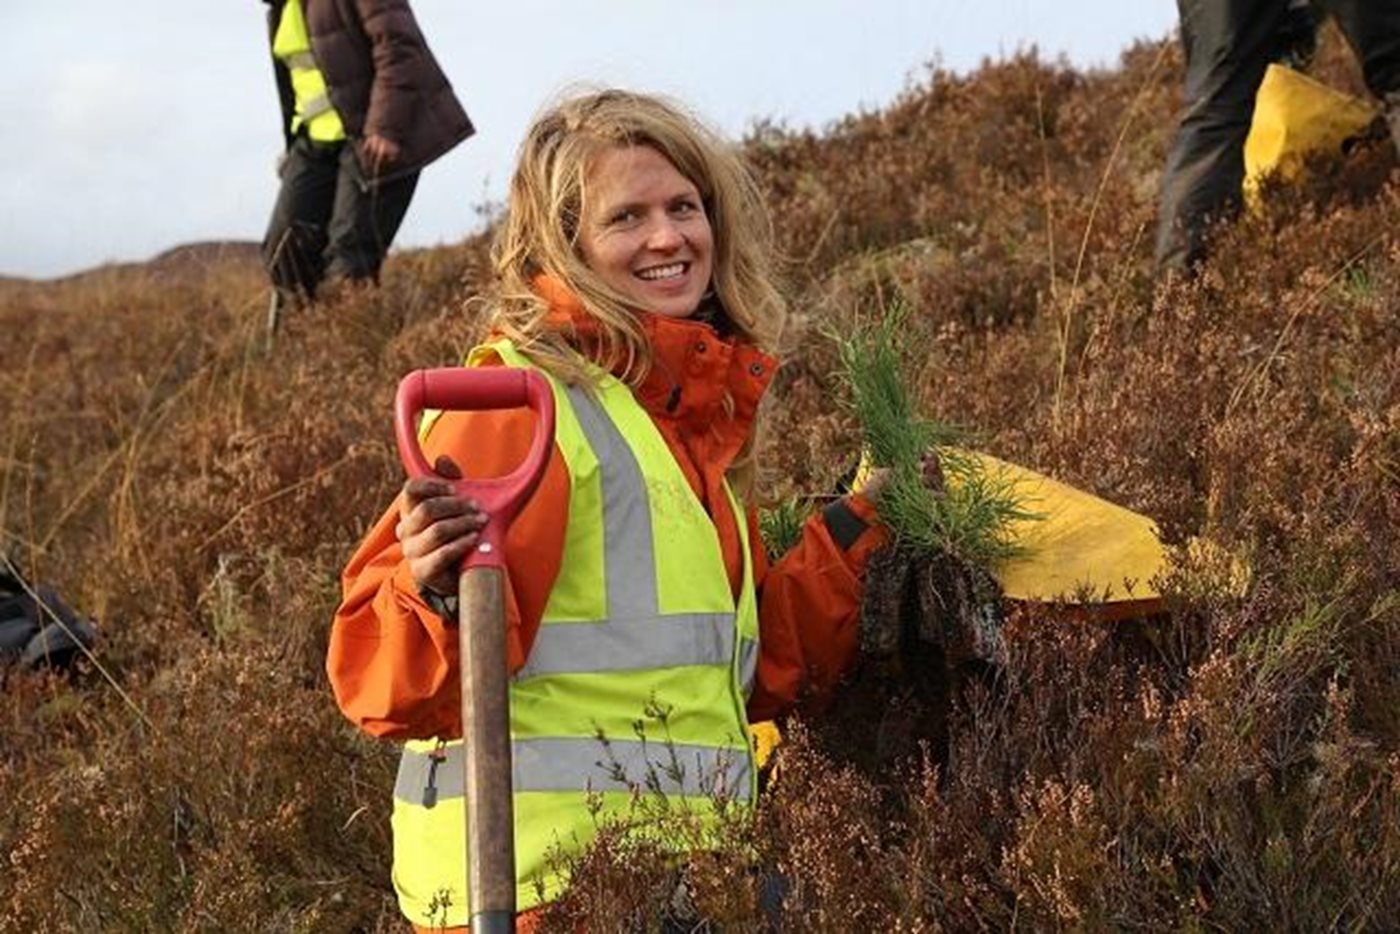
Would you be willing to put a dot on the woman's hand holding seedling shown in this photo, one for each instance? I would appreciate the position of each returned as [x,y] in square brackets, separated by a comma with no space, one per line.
[931,469]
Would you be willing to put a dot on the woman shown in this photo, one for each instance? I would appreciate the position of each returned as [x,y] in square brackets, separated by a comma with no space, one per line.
[645,627]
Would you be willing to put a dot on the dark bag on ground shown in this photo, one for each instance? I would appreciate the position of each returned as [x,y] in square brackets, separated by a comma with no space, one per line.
[36,627]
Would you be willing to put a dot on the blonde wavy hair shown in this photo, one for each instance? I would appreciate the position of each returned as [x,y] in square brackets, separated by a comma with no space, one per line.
[548,199]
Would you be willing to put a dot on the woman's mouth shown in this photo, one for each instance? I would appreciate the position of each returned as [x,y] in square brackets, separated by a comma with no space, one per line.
[660,273]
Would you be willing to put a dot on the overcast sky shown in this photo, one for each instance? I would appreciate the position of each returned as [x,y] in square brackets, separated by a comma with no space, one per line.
[131,126]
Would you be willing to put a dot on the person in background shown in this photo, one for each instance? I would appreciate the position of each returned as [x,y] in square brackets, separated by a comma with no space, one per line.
[634,269]
[1228,46]
[364,108]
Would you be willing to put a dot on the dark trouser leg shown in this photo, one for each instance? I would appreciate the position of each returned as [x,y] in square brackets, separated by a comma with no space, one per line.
[365,220]
[1373,29]
[295,242]
[1228,45]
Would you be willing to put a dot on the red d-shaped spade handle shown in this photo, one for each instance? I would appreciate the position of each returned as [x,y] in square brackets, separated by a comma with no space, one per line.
[471,389]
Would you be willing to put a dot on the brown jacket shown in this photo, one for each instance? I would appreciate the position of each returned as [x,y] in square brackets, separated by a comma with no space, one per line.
[382,78]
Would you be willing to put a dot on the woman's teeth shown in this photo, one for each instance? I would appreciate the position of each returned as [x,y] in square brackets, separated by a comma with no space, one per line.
[662,272]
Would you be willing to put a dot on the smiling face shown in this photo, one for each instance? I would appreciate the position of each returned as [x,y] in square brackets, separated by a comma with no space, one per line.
[645,233]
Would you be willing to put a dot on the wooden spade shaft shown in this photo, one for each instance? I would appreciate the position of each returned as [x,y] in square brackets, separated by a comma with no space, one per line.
[486,734]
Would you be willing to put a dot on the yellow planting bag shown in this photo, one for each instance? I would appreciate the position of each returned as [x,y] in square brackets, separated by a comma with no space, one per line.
[1081,550]
[1295,116]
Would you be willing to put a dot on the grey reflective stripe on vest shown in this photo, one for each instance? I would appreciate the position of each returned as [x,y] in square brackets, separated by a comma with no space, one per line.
[561,764]
[628,559]
[315,107]
[632,644]
[635,636]
[748,664]
[300,60]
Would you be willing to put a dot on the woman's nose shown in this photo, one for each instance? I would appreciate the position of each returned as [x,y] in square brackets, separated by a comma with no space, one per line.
[665,236]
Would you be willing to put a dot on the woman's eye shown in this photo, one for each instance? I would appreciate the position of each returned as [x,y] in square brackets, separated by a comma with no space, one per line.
[625,216]
[685,208]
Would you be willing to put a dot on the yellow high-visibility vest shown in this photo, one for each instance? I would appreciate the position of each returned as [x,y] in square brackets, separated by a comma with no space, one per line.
[631,703]
[292,45]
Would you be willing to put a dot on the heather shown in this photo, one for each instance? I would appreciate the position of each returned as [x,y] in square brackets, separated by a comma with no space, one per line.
[1230,763]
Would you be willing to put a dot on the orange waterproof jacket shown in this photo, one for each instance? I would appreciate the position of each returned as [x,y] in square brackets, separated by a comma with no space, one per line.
[393,661]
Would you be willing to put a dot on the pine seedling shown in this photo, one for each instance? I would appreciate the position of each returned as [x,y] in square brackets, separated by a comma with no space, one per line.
[971,518]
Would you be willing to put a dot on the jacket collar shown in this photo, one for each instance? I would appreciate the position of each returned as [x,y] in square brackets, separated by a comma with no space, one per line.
[694,369]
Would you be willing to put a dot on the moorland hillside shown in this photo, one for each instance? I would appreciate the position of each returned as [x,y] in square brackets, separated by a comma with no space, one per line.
[1232,764]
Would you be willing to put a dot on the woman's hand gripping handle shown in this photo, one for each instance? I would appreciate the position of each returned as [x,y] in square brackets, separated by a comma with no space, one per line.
[448,523]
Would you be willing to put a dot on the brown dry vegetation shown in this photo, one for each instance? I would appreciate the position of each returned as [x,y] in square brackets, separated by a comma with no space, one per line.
[1234,765]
